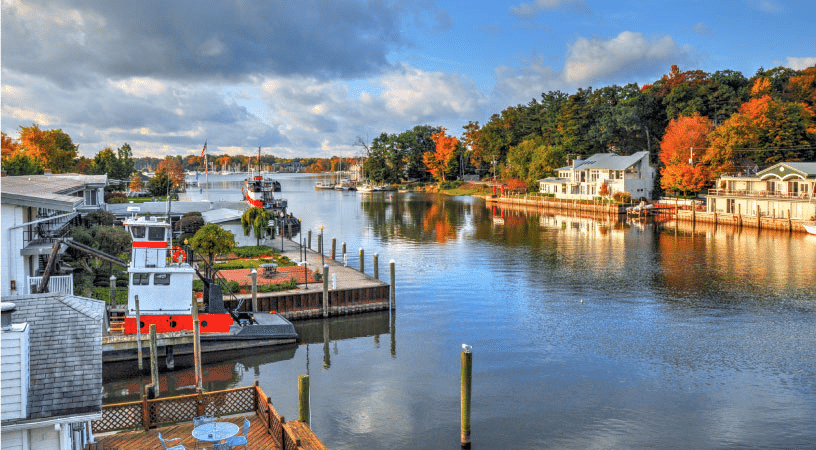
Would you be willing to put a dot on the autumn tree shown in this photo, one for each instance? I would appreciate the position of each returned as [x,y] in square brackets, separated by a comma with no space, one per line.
[682,171]
[136,184]
[438,161]
[53,149]
[767,130]
[224,162]
[172,167]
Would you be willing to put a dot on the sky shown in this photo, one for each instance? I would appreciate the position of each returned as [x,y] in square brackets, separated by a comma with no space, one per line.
[313,78]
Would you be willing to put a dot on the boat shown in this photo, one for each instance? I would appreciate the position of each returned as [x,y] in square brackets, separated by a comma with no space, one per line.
[323,185]
[365,188]
[259,192]
[161,292]
[810,229]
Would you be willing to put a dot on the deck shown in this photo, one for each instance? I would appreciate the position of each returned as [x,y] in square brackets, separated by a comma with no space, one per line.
[138,440]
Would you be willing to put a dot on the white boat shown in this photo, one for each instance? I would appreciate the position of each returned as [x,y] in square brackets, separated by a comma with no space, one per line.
[365,187]
[323,185]
[810,229]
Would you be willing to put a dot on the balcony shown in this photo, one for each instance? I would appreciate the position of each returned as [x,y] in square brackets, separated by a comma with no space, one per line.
[807,197]
[62,284]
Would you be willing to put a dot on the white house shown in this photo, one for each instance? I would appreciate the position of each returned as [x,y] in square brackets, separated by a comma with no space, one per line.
[784,190]
[36,210]
[51,387]
[582,180]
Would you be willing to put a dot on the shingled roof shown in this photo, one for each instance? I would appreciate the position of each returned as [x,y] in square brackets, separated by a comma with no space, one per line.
[65,354]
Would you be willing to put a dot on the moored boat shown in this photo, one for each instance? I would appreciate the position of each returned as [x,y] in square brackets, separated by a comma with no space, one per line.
[810,229]
[161,289]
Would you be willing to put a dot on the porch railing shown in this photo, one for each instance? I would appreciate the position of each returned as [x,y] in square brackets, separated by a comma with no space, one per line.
[63,284]
[761,194]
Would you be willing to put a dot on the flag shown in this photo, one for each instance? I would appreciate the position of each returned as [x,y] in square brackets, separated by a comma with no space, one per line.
[204,149]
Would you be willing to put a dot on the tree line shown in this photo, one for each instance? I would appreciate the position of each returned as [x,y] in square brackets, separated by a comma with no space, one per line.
[695,125]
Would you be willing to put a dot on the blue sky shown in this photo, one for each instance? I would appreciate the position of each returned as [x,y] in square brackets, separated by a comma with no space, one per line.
[308,78]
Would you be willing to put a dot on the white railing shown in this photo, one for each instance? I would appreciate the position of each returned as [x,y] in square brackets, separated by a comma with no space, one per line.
[62,284]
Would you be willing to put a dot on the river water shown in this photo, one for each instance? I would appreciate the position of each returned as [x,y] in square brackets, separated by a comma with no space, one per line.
[585,333]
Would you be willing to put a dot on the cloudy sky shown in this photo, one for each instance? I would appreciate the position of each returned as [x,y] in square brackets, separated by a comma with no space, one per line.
[308,77]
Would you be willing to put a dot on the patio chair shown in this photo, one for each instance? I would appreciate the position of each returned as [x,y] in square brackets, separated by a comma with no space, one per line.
[223,446]
[207,418]
[241,439]
[175,447]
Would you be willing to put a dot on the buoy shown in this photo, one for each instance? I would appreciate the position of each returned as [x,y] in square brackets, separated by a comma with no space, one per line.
[179,255]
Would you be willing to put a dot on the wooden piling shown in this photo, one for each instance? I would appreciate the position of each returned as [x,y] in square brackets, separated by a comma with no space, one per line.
[254,274]
[325,290]
[154,359]
[376,266]
[362,260]
[309,242]
[334,248]
[139,334]
[393,286]
[112,291]
[467,374]
[303,399]
[197,347]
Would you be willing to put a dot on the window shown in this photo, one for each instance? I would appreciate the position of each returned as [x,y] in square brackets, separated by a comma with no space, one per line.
[90,198]
[161,279]
[141,279]
[138,232]
[155,233]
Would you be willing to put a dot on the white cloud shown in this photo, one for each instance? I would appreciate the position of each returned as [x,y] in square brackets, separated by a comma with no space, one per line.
[595,59]
[801,63]
[420,96]
[703,30]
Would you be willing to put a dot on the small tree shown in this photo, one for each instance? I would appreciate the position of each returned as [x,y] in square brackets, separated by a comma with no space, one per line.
[212,240]
[136,184]
[257,220]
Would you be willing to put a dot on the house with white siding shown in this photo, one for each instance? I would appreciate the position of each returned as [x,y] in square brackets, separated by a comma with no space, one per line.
[784,190]
[583,178]
[51,364]
[36,210]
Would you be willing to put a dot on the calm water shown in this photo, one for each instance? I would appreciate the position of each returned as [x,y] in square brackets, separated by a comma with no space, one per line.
[585,334]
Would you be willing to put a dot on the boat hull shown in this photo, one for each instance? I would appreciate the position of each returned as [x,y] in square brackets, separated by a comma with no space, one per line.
[168,323]
[810,229]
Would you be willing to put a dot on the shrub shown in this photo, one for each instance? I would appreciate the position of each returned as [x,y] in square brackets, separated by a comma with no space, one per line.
[622,197]
[254,251]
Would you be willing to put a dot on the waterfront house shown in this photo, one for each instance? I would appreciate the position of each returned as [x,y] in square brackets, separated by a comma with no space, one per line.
[51,371]
[36,210]
[784,190]
[583,178]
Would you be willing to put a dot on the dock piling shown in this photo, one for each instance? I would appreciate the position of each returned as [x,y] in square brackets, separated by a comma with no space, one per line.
[467,373]
[254,290]
[334,248]
[139,334]
[325,290]
[154,359]
[303,399]
[393,286]
[362,260]
[376,266]
[309,241]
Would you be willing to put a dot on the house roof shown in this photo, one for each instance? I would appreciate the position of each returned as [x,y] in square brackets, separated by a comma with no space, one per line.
[39,191]
[803,169]
[65,354]
[608,161]
[221,215]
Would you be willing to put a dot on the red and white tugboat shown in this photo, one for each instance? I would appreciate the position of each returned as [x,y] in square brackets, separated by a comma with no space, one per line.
[259,192]
[163,279]
[164,288]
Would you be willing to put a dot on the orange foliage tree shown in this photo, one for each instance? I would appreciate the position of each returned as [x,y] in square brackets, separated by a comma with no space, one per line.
[439,160]
[51,148]
[682,170]
[768,130]
[172,167]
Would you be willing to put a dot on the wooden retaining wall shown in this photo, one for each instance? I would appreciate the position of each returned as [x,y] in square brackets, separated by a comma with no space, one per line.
[305,305]
[558,205]
[738,220]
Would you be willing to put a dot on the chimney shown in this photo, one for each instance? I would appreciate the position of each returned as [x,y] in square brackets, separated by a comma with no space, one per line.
[8,308]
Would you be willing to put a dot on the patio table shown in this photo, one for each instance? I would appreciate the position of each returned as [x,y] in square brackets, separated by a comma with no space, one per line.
[215,431]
